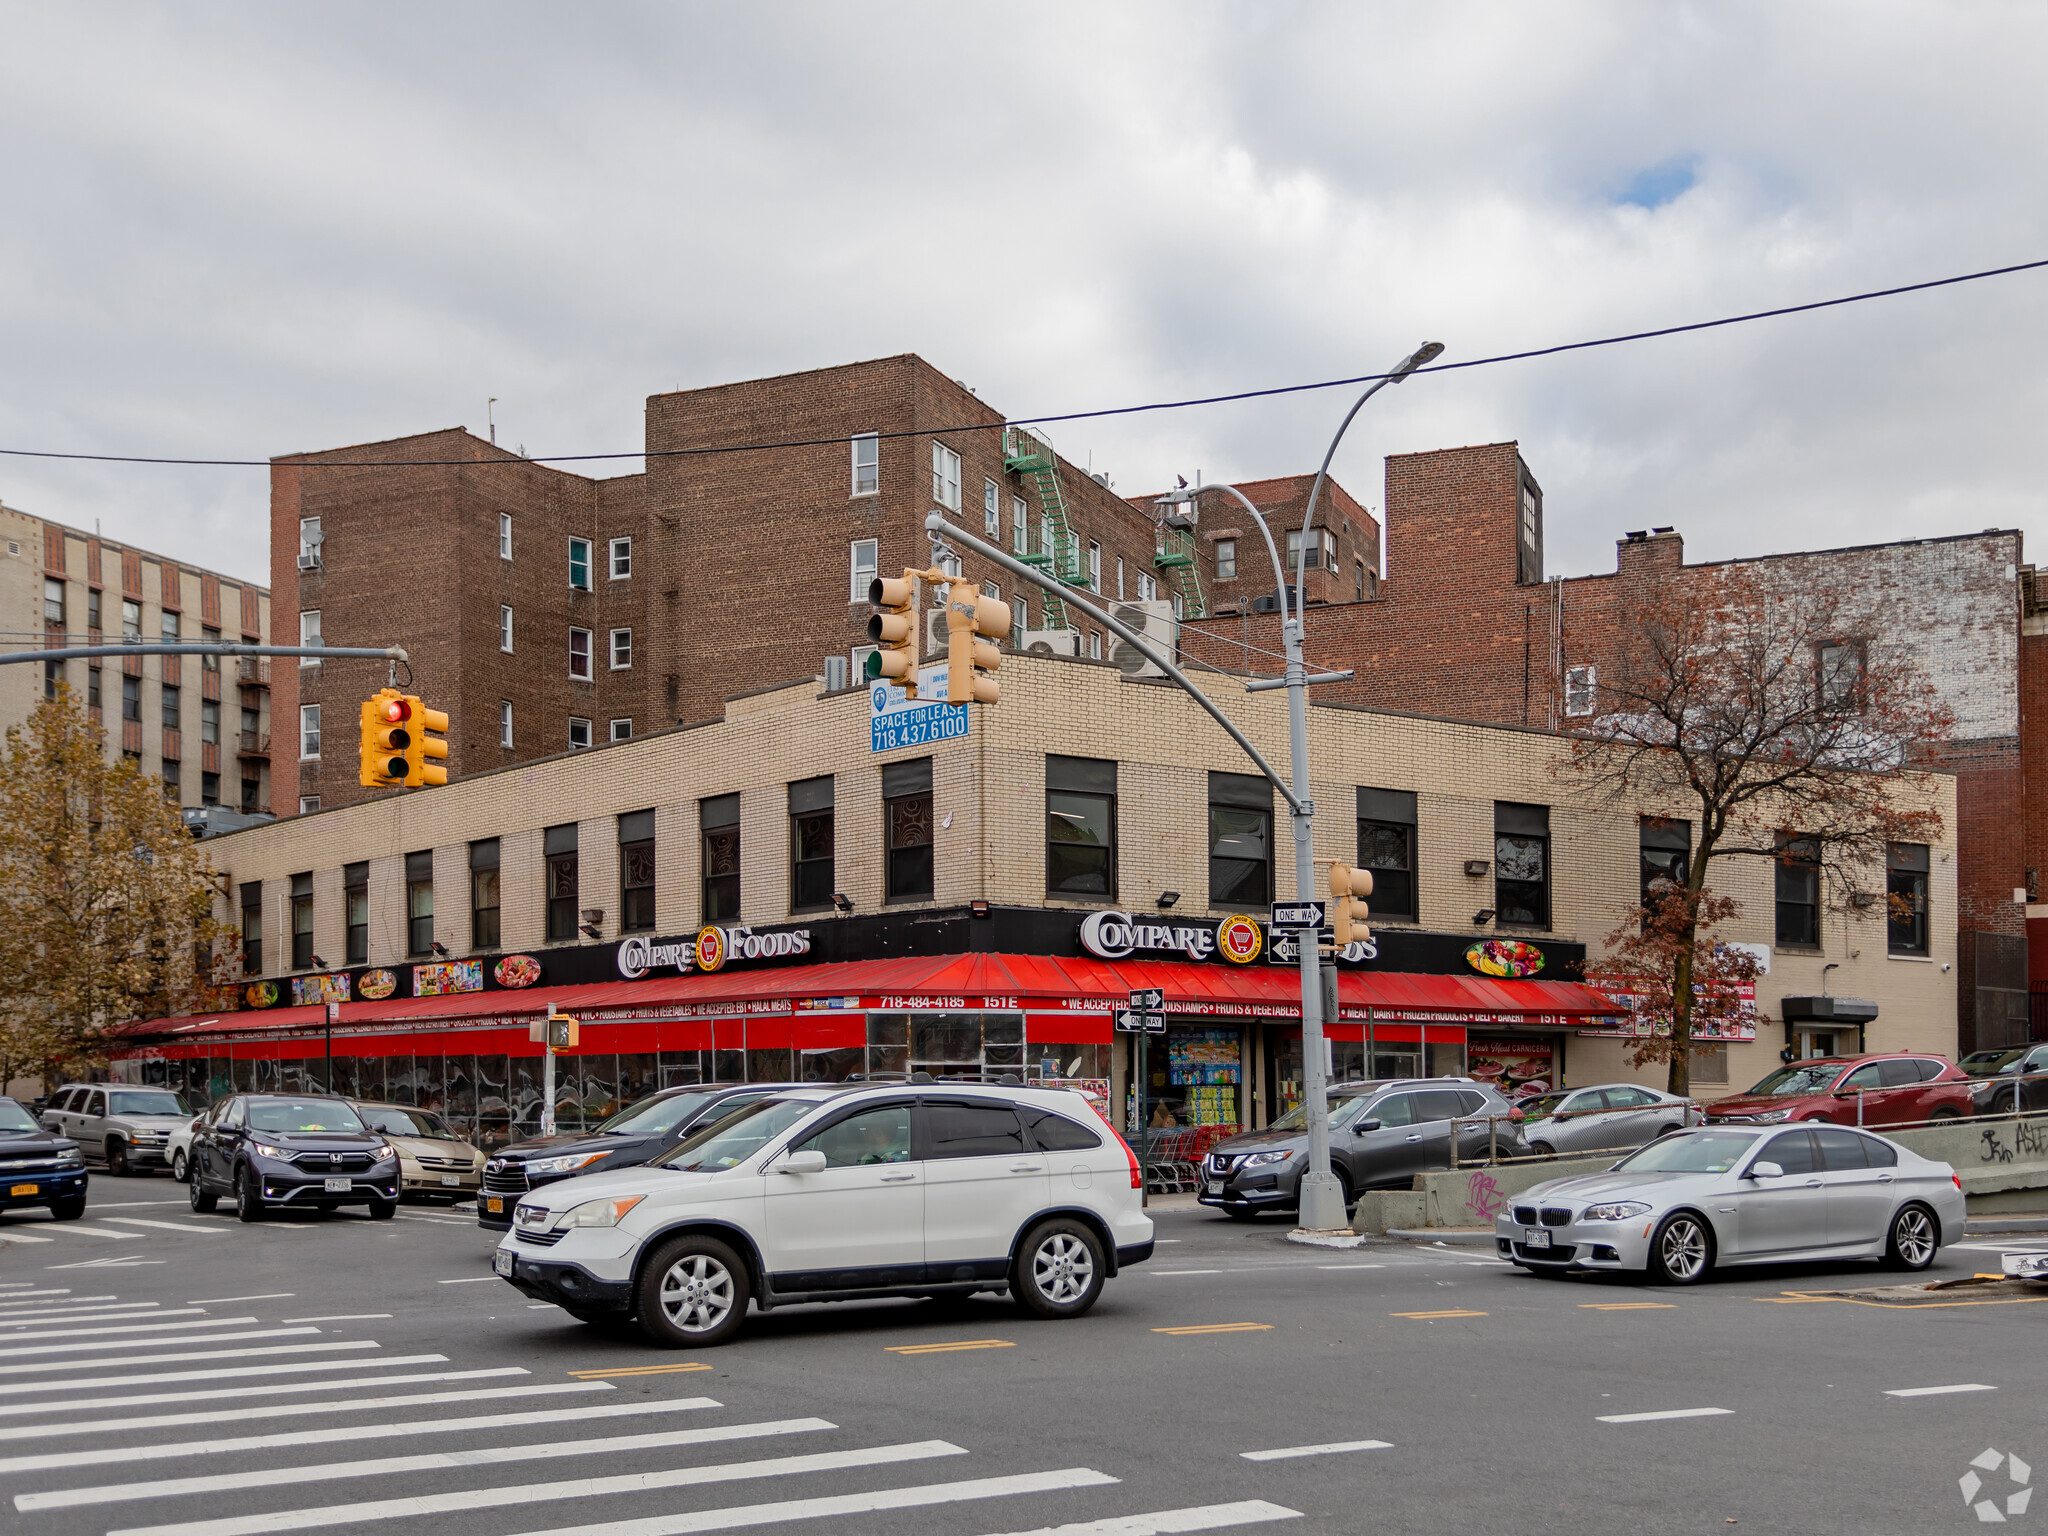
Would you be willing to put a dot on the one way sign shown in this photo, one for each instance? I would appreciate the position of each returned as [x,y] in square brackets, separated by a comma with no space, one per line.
[1133,1022]
[1148,999]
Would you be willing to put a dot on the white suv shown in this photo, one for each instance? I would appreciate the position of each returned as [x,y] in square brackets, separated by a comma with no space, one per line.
[839,1194]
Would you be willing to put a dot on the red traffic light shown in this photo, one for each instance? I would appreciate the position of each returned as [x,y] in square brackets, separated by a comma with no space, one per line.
[396,710]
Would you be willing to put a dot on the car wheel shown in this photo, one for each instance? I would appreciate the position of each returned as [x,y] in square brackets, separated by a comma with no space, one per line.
[117,1158]
[203,1199]
[1542,1149]
[1936,1117]
[1682,1252]
[692,1293]
[178,1165]
[1913,1240]
[68,1209]
[1059,1268]
[248,1199]
[383,1210]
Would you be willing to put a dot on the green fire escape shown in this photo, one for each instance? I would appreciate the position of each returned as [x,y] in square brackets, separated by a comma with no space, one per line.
[1031,456]
[1173,549]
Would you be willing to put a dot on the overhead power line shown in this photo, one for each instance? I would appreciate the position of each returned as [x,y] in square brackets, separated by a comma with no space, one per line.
[1031,421]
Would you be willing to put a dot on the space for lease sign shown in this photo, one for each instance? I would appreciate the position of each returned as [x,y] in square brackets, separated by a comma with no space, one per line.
[897,720]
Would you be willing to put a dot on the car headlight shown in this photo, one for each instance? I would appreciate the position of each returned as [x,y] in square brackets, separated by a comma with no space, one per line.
[379,1154]
[1259,1159]
[1620,1210]
[597,1213]
[1772,1116]
[71,1159]
[265,1150]
[565,1164]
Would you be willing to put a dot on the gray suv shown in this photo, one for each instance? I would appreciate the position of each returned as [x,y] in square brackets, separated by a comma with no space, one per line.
[1381,1135]
[125,1127]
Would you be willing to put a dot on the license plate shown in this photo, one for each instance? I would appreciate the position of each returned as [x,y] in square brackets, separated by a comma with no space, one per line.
[1215,1186]
[452,1180]
[337,1186]
[495,1205]
[501,1261]
[1535,1237]
[2027,1265]
[24,1189]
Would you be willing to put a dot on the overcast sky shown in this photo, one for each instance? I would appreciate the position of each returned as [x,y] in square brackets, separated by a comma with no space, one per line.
[242,230]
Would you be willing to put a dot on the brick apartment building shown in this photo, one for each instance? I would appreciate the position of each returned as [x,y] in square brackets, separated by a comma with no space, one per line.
[201,723]
[1467,624]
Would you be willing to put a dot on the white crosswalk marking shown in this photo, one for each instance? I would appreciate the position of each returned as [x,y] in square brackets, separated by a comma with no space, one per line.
[144,1327]
[131,1314]
[194,1225]
[267,1389]
[12,1236]
[203,1354]
[80,1229]
[1161,1522]
[133,1343]
[70,1382]
[12,1297]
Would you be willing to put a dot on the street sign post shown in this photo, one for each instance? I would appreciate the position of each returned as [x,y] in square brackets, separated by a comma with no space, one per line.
[1298,914]
[1148,999]
[1132,1022]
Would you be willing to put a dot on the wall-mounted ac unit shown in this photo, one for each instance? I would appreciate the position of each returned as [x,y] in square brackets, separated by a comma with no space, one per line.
[310,562]
[1052,642]
[1155,621]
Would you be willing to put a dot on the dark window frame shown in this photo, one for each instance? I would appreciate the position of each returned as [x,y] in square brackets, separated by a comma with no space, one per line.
[1518,829]
[813,812]
[562,877]
[355,904]
[1240,804]
[1908,867]
[1076,790]
[1387,823]
[486,894]
[1796,874]
[302,931]
[636,872]
[909,866]
[419,884]
[1658,839]
[718,857]
[252,928]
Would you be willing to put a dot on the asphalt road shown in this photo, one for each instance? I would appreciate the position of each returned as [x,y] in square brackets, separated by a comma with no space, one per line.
[335,1375]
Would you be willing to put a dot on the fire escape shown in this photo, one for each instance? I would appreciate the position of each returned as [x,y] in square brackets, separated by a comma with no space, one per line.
[1029,455]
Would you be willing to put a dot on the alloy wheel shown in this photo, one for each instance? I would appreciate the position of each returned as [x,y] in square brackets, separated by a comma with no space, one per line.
[1913,1236]
[1682,1247]
[1063,1268]
[697,1293]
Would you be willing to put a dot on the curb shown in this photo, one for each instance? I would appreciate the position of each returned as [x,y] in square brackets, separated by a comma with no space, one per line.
[1975,1224]
[1477,1237]
[1337,1239]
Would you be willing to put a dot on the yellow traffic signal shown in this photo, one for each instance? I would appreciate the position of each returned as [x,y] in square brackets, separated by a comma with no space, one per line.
[894,630]
[1348,889]
[425,752]
[971,615]
[386,740]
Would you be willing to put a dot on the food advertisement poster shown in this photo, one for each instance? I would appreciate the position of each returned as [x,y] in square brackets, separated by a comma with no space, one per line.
[332,988]
[446,977]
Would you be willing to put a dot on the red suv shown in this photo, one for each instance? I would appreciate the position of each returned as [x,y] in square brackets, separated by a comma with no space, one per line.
[1901,1089]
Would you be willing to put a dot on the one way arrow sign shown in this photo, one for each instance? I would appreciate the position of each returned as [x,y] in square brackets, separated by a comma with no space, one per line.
[1133,1022]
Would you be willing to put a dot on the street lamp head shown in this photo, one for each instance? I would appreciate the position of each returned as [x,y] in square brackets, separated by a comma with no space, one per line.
[1421,357]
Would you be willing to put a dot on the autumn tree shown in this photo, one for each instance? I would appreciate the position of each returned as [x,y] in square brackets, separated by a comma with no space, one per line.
[106,900]
[1787,724]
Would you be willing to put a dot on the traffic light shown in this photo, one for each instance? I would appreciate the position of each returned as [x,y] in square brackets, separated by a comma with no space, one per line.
[560,1032]
[972,614]
[894,630]
[426,751]
[387,739]
[1348,889]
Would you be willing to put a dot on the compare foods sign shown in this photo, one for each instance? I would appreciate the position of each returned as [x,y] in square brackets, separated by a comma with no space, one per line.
[711,950]
[1119,935]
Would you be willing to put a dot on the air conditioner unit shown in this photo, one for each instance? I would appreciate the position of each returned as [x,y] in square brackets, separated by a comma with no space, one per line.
[310,562]
[935,632]
[1155,621]
[1052,642]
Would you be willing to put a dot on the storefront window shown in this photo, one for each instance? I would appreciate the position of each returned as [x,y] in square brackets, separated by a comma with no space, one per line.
[1240,841]
[1521,853]
[558,847]
[907,821]
[1080,827]
[1386,846]
[811,877]
[718,819]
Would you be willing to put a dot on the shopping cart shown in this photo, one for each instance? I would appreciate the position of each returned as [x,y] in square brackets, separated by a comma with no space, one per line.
[1174,1156]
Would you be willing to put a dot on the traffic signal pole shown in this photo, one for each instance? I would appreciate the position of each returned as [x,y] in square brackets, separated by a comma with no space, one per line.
[208,648]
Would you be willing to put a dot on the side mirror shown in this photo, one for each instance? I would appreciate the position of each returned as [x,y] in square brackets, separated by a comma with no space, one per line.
[803,1162]
[1766,1170]
[1365,1125]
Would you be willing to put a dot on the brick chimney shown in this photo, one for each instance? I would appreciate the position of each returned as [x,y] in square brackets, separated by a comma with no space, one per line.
[1655,552]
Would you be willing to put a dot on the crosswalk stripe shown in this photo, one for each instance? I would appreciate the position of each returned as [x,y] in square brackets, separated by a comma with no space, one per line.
[1662,1414]
[1203,1517]
[61,1297]
[71,1383]
[74,1348]
[1332,1448]
[1961,1386]
[108,1455]
[170,1226]
[11,1236]
[678,1477]
[132,1313]
[194,1354]
[80,1229]
[80,1333]
[267,1389]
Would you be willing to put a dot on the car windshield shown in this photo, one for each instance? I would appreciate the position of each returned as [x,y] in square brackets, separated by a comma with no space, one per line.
[1811,1077]
[15,1120]
[1985,1064]
[393,1121]
[1543,1106]
[654,1117]
[1691,1152]
[1344,1109]
[730,1141]
[156,1101]
[305,1115]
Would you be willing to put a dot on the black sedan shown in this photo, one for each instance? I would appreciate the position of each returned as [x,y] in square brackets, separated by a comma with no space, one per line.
[38,1167]
[280,1151]
[2009,1081]
[636,1134]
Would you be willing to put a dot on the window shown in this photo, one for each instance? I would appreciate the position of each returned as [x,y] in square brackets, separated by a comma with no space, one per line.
[302,921]
[1386,846]
[355,911]
[252,927]
[991,509]
[945,477]
[636,872]
[880,1135]
[172,698]
[505,724]
[504,535]
[1148,588]
[419,903]
[209,721]
[53,671]
[92,690]
[579,654]
[622,559]
[862,560]
[131,619]
[622,730]
[309,634]
[558,850]
[1226,559]
[579,565]
[483,894]
[1095,644]
[622,650]
[309,723]
[1666,857]
[131,700]
[92,609]
[1240,840]
[1080,827]
[1841,676]
[1119,578]
[718,823]
[1521,864]
[53,602]
[1094,566]
[1580,690]
[1020,526]
[1020,620]
[1322,549]
[209,788]
[209,633]
[1798,890]
[308,804]
[867,459]
[1905,890]
[811,878]
[505,630]
[859,657]
[310,540]
[907,823]
[167,627]
[1045,533]
[252,794]
[974,1130]
[579,733]
[1358,581]
[1179,607]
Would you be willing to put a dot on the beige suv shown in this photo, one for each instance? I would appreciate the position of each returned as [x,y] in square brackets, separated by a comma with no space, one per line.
[432,1159]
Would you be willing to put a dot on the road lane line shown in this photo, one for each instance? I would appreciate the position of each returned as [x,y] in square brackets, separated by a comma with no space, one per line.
[267,1389]
[134,1312]
[730,1518]
[143,1327]
[9,1236]
[338,1317]
[203,1301]
[1961,1386]
[1662,1413]
[1187,1271]
[641,1370]
[1160,1522]
[1334,1448]
[1351,1266]
[1218,1328]
[941,1349]
[69,1383]
[1430,1317]
[213,1354]
[129,1205]
[1626,1306]
[170,1226]
[21,1301]
[80,1229]
[467,1280]
[128,1341]
[16,1296]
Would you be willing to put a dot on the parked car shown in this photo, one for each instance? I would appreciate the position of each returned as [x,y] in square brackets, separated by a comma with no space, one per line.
[1738,1195]
[1903,1089]
[275,1151]
[178,1149]
[39,1167]
[2009,1081]
[432,1160]
[830,1193]
[127,1128]
[638,1133]
[1381,1135]
[1609,1117]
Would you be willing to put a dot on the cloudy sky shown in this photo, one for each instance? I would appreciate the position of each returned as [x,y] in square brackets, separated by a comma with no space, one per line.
[241,230]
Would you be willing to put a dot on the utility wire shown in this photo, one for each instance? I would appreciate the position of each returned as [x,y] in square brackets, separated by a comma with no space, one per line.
[1029,421]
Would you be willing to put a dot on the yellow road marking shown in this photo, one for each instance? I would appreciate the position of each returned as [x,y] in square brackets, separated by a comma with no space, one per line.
[1626,1306]
[1218,1328]
[940,1349]
[1906,1306]
[1427,1316]
[639,1370]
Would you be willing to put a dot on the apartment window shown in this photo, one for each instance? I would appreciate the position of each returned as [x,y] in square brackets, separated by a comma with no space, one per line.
[1358,581]
[558,849]
[1179,612]
[505,724]
[1020,621]
[636,872]
[1095,644]
[92,688]
[1905,889]
[1841,676]
[622,650]
[867,462]
[579,654]
[1322,549]
[309,723]
[1045,534]
[718,823]
[1386,846]
[355,911]
[309,634]
[1148,588]
[302,922]
[858,656]
[622,730]
[1226,559]
[53,602]
[811,880]
[131,619]
[1240,840]
[131,703]
[1080,827]
[252,927]
[504,535]
[310,540]
[92,609]
[579,733]
[907,824]
[172,700]
[209,787]
[1020,526]
[1119,578]
[252,792]
[1666,857]
[579,564]
[945,477]
[484,894]
[210,633]
[419,903]
[862,558]
[308,804]
[991,509]
[622,559]
[1581,686]
[53,672]
[1798,890]
[1521,864]
[505,630]
[1094,566]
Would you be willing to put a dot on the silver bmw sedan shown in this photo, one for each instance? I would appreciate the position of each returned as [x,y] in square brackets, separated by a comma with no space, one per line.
[1733,1195]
